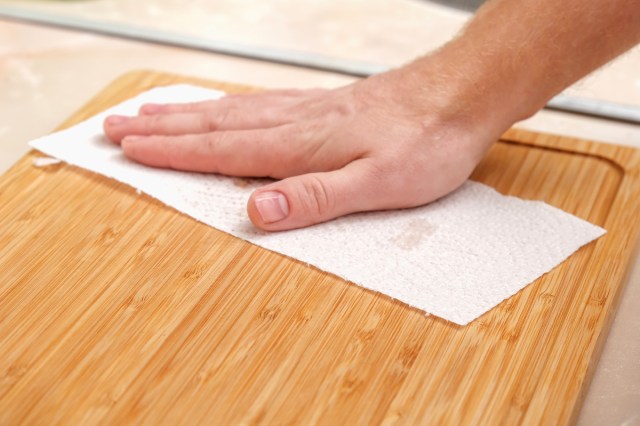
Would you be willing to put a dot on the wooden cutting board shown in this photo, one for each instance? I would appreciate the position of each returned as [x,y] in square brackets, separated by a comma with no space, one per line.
[115,308]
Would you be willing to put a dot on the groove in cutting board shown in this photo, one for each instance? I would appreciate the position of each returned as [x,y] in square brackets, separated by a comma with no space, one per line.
[115,308]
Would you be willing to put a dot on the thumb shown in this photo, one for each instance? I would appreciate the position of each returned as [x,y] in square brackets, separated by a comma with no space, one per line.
[308,199]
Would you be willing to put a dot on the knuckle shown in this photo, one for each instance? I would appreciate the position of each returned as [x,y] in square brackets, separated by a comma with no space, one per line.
[213,121]
[303,143]
[218,158]
[345,109]
[316,197]
[212,142]
[152,124]
[208,122]
[214,158]
[173,158]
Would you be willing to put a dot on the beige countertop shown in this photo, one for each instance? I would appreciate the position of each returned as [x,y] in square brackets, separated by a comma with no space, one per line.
[46,74]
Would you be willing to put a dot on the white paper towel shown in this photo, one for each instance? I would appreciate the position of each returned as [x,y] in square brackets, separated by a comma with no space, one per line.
[455,258]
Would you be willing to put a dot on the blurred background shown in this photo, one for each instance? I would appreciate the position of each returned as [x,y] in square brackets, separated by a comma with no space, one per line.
[56,55]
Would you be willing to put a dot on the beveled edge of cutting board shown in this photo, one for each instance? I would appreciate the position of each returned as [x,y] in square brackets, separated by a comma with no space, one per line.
[625,159]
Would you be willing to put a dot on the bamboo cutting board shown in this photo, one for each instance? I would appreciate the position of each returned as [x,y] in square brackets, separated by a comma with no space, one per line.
[117,309]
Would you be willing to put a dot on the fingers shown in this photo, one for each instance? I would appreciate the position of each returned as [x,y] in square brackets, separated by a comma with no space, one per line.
[264,152]
[313,198]
[183,123]
[233,112]
[118,127]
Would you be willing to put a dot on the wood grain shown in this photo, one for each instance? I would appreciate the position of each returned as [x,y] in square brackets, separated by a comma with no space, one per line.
[117,309]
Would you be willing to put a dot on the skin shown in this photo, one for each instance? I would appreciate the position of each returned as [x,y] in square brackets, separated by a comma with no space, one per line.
[399,139]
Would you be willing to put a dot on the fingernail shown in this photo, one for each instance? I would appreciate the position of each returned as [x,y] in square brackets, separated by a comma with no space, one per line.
[114,120]
[272,206]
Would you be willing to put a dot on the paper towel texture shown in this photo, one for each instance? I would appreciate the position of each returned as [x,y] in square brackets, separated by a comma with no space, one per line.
[455,258]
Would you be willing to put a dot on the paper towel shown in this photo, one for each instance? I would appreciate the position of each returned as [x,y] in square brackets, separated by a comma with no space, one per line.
[455,258]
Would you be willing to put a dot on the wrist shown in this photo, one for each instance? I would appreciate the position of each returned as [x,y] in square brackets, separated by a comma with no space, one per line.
[438,93]
[480,92]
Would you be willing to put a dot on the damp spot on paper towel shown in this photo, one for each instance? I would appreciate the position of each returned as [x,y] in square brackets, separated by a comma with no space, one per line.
[249,183]
[241,183]
[414,233]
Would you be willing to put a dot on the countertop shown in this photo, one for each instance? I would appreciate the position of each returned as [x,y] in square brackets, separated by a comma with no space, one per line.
[46,74]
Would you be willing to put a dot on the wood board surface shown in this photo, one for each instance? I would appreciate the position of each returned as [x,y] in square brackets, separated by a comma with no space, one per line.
[117,309]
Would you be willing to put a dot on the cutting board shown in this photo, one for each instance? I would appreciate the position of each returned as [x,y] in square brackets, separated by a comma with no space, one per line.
[115,308]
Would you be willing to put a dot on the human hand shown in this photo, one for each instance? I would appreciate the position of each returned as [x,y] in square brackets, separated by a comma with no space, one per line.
[377,144]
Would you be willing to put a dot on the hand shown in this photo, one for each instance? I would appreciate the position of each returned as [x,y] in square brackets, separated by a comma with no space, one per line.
[380,143]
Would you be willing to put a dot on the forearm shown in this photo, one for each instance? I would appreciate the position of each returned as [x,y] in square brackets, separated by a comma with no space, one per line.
[515,55]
